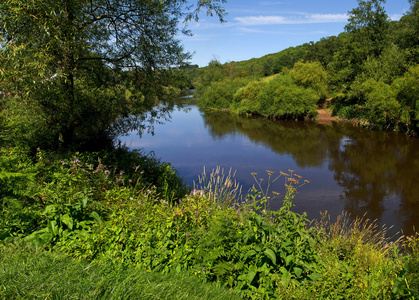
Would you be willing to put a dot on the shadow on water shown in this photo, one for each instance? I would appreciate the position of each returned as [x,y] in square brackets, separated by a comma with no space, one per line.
[352,169]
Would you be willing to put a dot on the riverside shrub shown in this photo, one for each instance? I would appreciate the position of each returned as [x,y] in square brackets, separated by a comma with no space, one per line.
[282,98]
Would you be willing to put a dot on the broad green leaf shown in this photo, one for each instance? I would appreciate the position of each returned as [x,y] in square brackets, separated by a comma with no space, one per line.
[67,220]
[289,259]
[252,273]
[271,254]
[298,271]
[53,228]
[249,253]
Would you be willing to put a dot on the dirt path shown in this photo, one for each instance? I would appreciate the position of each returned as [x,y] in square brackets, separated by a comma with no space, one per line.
[325,116]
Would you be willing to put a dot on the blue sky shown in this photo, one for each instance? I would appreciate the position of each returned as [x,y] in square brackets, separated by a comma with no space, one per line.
[255,28]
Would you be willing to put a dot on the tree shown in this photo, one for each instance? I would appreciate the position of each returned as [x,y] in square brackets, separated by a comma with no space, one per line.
[406,32]
[369,22]
[78,63]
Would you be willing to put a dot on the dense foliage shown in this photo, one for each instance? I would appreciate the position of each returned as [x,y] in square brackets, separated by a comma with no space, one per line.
[293,94]
[143,218]
[372,67]
[70,68]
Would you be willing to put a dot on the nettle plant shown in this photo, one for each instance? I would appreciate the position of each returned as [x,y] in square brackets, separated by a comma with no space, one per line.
[258,251]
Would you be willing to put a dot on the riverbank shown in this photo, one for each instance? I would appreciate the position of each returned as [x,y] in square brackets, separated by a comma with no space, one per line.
[98,213]
[324,116]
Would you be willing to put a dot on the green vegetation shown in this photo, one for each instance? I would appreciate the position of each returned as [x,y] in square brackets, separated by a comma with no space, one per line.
[28,274]
[117,228]
[71,68]
[293,94]
[117,224]
[372,66]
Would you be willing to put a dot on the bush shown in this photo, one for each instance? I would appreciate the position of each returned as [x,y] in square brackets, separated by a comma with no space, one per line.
[219,95]
[311,75]
[284,99]
[51,197]
[378,102]
[245,99]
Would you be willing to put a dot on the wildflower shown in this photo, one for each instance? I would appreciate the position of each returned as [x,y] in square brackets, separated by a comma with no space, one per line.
[253,174]
[292,180]
[306,181]
[290,170]
[285,174]
[270,172]
[298,176]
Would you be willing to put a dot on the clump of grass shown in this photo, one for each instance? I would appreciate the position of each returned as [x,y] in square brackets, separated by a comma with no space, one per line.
[356,256]
[359,230]
[218,186]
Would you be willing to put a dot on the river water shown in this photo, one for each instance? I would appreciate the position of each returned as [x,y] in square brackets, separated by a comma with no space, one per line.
[350,169]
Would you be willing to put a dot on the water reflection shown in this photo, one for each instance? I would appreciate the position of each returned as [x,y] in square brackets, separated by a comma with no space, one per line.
[376,169]
[351,169]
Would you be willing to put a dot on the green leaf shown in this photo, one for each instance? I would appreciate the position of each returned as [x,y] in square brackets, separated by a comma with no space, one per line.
[271,254]
[53,228]
[96,216]
[50,209]
[289,259]
[298,271]
[249,253]
[67,220]
[84,202]
[252,273]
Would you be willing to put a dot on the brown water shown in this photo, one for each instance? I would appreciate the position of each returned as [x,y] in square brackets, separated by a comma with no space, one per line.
[350,169]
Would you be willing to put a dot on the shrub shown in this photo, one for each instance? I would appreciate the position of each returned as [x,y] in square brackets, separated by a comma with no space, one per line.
[378,102]
[311,75]
[245,99]
[283,99]
[220,94]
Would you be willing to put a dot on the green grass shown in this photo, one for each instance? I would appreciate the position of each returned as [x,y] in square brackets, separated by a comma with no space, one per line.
[44,275]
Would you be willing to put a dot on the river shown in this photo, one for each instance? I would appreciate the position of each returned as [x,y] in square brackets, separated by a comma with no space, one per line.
[350,169]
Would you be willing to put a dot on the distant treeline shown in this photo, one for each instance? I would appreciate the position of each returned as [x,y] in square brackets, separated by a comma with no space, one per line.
[371,71]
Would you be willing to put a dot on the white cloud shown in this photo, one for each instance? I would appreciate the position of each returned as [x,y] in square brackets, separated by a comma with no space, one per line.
[304,19]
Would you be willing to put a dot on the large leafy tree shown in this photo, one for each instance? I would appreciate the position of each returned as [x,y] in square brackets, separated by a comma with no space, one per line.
[368,24]
[76,65]
[365,39]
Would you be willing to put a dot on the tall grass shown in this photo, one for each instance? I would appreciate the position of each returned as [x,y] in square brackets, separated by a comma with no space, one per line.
[219,186]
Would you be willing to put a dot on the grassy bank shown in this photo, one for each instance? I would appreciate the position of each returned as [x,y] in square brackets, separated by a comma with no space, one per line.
[104,224]
[28,274]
